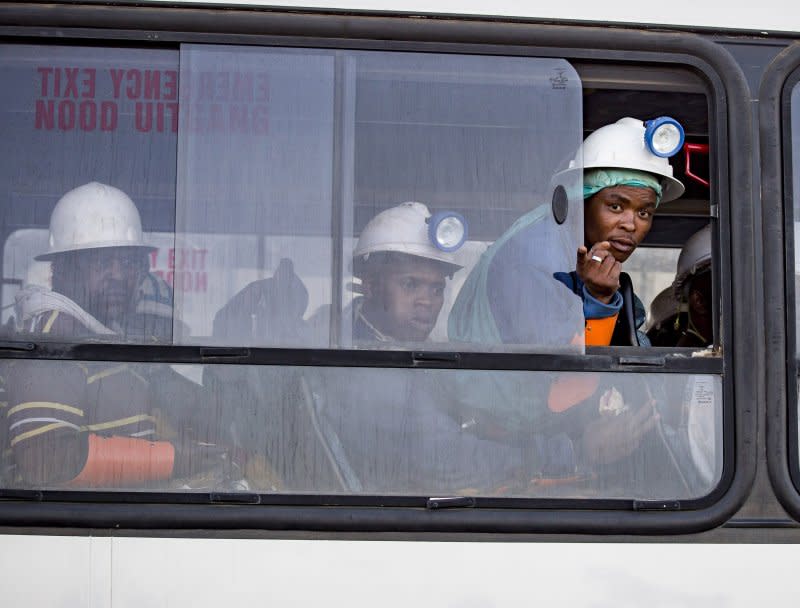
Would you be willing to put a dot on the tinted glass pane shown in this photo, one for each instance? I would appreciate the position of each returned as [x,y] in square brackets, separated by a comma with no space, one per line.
[102,126]
[362,431]
[486,138]
[255,194]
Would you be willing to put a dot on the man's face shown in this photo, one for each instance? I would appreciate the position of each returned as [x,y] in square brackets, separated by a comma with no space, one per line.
[110,277]
[621,215]
[404,297]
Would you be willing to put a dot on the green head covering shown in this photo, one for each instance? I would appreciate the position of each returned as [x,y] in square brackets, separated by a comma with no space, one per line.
[595,180]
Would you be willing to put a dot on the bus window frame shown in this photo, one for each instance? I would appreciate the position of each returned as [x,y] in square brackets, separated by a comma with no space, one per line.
[781,366]
[738,365]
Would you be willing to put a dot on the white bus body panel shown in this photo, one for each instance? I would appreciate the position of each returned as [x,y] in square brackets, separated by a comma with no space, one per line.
[765,16]
[158,572]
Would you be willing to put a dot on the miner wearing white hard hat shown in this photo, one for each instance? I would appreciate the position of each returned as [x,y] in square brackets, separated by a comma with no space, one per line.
[395,433]
[93,424]
[403,257]
[692,288]
[98,259]
[509,299]
[626,175]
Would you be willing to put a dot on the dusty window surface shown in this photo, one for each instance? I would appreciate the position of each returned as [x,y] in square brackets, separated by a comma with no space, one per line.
[315,199]
[364,431]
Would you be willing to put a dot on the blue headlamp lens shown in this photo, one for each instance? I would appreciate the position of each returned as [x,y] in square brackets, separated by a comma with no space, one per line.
[447,230]
[664,136]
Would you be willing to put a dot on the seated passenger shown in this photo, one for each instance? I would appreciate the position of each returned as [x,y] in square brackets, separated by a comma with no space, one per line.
[389,430]
[692,288]
[96,424]
[305,424]
[99,274]
[623,183]
[403,277]
[508,299]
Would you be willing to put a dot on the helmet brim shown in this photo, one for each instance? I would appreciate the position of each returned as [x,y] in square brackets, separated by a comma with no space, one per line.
[361,262]
[50,255]
[671,189]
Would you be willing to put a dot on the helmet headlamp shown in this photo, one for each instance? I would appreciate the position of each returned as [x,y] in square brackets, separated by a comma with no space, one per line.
[447,230]
[664,136]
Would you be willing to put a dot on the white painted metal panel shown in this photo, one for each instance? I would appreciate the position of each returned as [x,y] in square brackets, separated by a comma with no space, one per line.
[157,572]
[767,15]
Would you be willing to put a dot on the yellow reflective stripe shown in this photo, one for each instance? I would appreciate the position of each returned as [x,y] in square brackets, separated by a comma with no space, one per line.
[106,373]
[39,431]
[102,426]
[51,405]
[49,325]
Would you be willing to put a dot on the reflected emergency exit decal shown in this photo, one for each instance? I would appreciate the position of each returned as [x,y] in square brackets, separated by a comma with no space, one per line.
[227,102]
[183,269]
[91,99]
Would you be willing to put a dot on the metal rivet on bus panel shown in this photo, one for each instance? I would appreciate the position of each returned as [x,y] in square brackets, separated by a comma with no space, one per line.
[560,204]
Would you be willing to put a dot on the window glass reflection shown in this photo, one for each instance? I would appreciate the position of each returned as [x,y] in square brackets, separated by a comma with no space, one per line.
[255,194]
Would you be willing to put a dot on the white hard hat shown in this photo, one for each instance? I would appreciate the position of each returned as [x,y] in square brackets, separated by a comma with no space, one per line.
[622,145]
[92,216]
[402,229]
[663,307]
[694,258]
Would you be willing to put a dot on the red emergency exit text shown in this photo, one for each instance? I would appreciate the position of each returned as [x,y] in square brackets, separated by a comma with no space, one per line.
[91,99]
[184,269]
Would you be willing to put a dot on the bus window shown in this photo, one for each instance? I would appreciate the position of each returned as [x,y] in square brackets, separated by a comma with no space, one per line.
[307,211]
